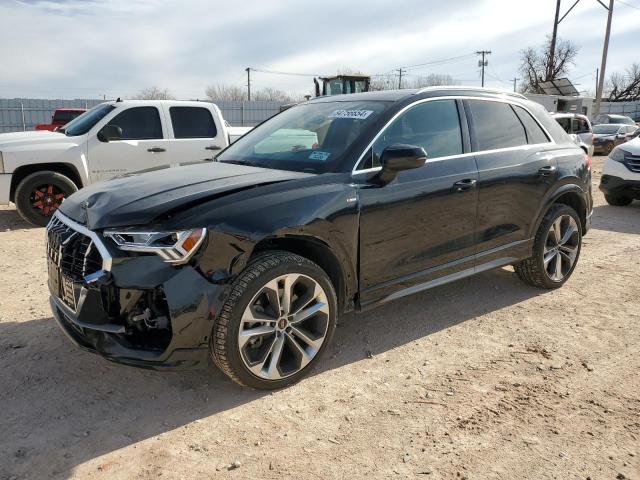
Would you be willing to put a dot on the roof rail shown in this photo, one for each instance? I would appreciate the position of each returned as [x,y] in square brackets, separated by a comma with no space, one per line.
[483,89]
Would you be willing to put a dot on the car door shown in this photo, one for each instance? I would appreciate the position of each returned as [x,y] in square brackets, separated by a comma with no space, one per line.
[582,128]
[143,145]
[514,174]
[418,227]
[195,136]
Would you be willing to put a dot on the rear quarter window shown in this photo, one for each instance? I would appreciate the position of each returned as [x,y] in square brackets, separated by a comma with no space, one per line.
[535,134]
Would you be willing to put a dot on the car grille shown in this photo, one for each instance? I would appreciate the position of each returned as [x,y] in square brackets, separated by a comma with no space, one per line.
[632,162]
[71,256]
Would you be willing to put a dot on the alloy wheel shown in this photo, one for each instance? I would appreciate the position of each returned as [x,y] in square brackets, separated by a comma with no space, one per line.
[284,326]
[561,247]
[46,199]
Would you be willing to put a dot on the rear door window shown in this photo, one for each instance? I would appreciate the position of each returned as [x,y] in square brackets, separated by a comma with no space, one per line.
[534,131]
[192,122]
[139,123]
[496,125]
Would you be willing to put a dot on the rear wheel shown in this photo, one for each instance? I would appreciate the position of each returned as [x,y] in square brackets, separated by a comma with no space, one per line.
[276,322]
[40,194]
[556,249]
[618,200]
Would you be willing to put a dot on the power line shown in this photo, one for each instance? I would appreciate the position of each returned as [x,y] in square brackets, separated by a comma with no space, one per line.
[276,72]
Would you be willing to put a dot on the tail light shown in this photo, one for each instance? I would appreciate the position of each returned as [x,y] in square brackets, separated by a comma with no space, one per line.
[587,161]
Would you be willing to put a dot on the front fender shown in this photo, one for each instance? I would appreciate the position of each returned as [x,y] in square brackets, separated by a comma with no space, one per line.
[66,153]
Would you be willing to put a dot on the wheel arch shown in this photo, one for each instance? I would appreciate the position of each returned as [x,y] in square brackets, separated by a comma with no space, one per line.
[22,172]
[320,253]
[570,195]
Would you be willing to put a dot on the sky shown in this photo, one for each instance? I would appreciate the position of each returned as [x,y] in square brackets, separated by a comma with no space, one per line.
[95,48]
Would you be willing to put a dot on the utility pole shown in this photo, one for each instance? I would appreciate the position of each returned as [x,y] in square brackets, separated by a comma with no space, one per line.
[248,70]
[483,63]
[554,36]
[552,48]
[515,82]
[597,78]
[603,64]
[400,70]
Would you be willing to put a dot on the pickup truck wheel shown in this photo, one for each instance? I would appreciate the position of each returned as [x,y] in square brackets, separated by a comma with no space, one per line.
[618,201]
[40,194]
[555,251]
[276,322]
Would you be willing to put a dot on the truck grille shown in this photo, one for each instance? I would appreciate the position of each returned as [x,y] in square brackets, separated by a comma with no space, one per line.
[632,162]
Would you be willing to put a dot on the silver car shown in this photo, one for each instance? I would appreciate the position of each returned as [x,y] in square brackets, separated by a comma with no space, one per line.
[579,129]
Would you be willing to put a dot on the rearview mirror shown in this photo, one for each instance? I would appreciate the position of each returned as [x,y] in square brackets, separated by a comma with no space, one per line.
[109,133]
[396,158]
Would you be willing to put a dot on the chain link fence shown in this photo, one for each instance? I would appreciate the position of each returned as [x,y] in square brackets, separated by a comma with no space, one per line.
[22,114]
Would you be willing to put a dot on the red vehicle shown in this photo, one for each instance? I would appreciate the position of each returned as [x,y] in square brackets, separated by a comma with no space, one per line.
[61,117]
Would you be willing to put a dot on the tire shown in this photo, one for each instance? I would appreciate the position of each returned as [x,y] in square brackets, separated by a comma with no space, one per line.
[40,194]
[249,362]
[554,273]
[618,201]
[610,146]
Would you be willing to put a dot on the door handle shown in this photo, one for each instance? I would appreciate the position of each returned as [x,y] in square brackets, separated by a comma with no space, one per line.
[548,170]
[464,185]
[213,147]
[156,150]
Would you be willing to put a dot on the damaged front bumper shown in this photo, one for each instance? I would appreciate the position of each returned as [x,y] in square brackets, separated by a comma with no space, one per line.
[140,311]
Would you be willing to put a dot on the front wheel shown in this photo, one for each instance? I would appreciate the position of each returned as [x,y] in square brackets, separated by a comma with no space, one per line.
[555,251]
[40,194]
[610,147]
[276,322]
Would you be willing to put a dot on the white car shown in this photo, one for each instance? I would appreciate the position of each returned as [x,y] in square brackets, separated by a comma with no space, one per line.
[579,129]
[39,169]
[621,174]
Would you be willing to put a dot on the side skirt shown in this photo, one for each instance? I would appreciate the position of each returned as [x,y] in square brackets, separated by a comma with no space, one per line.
[520,247]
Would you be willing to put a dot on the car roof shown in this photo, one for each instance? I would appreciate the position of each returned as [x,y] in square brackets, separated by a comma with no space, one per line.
[397,95]
[613,125]
[567,115]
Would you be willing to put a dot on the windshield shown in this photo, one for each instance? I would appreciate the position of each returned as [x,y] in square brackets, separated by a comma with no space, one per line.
[84,123]
[606,129]
[312,137]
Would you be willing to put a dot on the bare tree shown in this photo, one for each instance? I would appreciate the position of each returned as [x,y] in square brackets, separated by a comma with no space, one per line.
[536,66]
[223,92]
[624,87]
[269,94]
[433,80]
[155,93]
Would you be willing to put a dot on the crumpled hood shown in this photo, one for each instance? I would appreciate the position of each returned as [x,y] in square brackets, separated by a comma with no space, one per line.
[138,199]
[35,138]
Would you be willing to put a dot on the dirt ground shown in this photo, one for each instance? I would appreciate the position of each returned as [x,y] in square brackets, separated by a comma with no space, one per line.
[484,378]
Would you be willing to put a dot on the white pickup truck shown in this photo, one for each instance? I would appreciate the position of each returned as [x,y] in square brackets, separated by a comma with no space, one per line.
[39,169]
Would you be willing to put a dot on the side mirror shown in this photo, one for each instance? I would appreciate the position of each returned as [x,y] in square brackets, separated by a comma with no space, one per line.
[396,158]
[109,133]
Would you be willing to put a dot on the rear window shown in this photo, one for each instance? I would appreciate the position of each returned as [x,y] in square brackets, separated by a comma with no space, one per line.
[65,115]
[192,122]
[496,125]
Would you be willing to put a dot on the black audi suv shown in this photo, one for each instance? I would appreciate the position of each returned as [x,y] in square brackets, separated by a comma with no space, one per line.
[337,204]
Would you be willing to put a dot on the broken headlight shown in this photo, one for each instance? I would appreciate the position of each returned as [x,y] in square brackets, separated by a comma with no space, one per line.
[173,247]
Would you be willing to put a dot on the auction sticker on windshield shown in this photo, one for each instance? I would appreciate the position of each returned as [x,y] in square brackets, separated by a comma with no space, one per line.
[356,114]
[318,155]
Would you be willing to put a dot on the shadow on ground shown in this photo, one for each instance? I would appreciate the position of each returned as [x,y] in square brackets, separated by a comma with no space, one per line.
[10,220]
[618,219]
[61,407]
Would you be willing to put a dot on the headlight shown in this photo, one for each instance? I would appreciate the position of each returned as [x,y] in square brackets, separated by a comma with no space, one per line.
[174,247]
[618,154]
